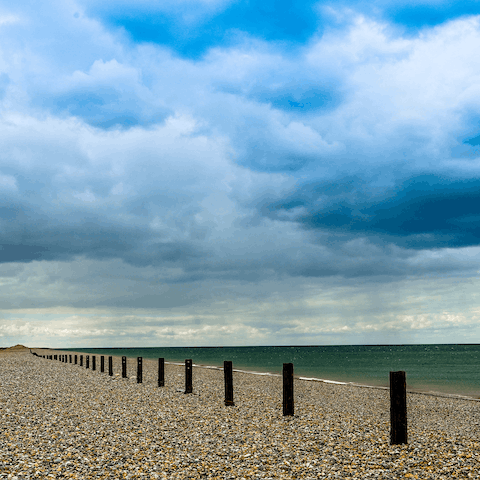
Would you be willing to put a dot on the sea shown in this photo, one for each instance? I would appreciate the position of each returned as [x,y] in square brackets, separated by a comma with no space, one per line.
[446,369]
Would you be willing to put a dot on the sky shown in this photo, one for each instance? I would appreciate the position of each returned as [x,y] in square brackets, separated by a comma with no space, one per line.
[221,172]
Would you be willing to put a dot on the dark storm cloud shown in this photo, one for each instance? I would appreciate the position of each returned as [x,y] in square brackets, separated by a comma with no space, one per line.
[425,211]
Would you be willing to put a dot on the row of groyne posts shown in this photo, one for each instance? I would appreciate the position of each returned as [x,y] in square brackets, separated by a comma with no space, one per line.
[398,390]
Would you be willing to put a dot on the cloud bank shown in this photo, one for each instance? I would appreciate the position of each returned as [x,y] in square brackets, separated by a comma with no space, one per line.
[213,173]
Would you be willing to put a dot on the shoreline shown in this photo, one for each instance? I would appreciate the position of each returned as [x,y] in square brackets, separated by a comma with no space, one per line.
[414,391]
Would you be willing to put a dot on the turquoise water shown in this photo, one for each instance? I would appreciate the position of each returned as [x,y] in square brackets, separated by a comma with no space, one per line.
[439,368]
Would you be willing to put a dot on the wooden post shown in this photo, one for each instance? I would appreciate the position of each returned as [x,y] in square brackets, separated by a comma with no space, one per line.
[139,370]
[288,405]
[110,366]
[102,363]
[76,359]
[161,372]
[70,358]
[124,367]
[81,360]
[54,357]
[188,376]
[398,408]
[94,362]
[228,377]
[87,361]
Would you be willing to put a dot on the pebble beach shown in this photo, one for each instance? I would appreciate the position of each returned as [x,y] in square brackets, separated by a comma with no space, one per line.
[60,420]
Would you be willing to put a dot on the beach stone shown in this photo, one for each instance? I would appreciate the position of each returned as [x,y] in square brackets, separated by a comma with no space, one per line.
[58,420]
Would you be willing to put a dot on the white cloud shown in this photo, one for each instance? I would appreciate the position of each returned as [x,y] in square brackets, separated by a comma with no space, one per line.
[8,182]
[9,19]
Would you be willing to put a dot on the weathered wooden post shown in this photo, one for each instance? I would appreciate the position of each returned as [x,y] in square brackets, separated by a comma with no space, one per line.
[188,376]
[124,367]
[70,358]
[161,372]
[288,404]
[398,408]
[228,377]
[76,360]
[139,370]
[81,360]
[87,361]
[102,363]
[54,357]
[110,366]
[94,362]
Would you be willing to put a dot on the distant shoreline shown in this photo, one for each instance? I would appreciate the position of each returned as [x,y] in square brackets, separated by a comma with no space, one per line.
[410,390]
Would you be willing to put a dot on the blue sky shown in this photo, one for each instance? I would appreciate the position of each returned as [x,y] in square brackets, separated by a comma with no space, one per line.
[239,173]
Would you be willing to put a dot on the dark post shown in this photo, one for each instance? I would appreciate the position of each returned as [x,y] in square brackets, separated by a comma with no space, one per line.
[54,357]
[102,363]
[76,359]
[110,366]
[81,360]
[288,406]
[398,408]
[188,376]
[124,367]
[70,358]
[139,370]
[94,362]
[87,361]
[228,376]
[161,372]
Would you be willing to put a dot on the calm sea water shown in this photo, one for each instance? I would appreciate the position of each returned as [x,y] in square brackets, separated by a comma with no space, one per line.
[438,368]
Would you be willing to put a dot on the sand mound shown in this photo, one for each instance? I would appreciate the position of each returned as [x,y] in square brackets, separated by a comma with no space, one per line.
[15,349]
